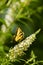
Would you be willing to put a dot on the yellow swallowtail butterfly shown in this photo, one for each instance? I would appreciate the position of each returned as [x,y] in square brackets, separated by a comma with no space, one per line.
[19,35]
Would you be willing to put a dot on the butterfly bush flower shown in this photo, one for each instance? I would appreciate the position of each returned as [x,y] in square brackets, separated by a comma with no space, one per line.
[3,28]
[26,2]
[12,10]
[19,49]
[9,17]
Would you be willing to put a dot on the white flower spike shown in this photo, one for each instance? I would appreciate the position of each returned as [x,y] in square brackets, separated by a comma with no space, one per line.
[19,49]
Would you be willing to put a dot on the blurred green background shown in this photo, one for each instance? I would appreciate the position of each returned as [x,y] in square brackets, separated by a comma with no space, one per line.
[29,17]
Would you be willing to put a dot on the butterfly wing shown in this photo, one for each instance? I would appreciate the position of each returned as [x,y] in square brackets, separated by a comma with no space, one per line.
[19,35]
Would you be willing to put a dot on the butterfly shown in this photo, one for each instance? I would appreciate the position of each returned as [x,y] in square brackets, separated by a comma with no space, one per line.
[19,35]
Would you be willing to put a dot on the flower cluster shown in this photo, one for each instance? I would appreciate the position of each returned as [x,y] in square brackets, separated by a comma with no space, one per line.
[13,12]
[19,49]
